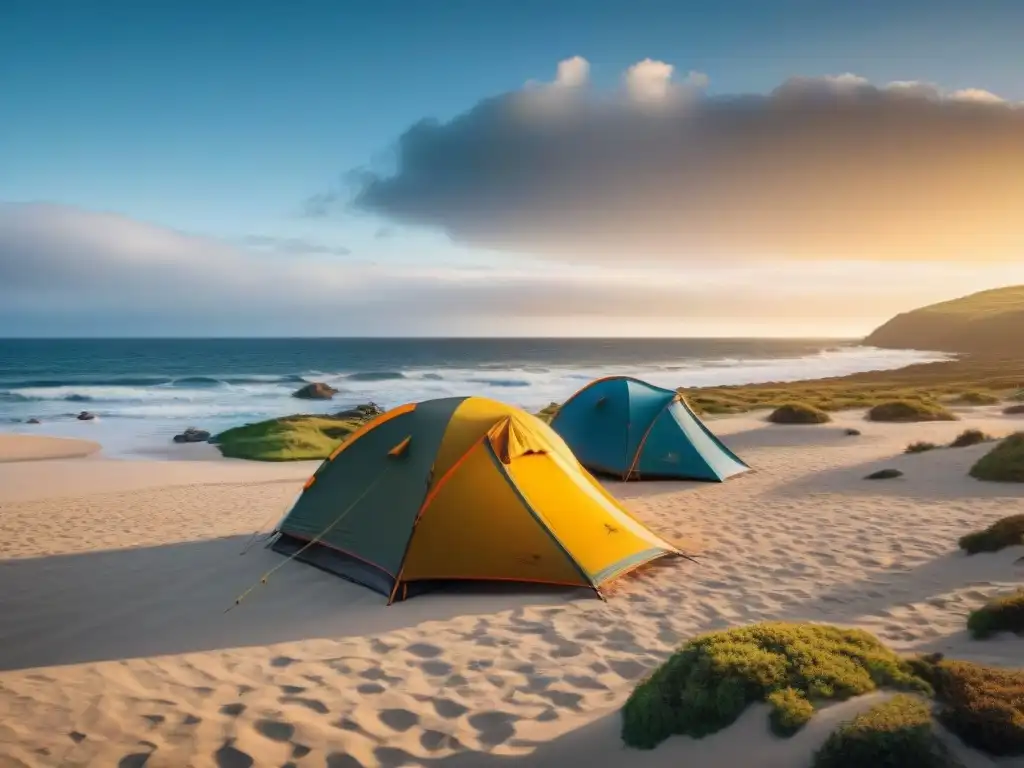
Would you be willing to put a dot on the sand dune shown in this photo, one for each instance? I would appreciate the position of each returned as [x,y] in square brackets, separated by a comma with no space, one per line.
[115,648]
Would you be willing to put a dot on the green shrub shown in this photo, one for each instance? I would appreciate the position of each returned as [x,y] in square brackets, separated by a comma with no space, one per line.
[976,398]
[548,412]
[711,680]
[1002,614]
[292,438]
[920,447]
[984,706]
[884,474]
[895,734]
[798,413]
[790,711]
[1018,396]
[968,438]
[1004,463]
[1007,532]
[852,432]
[909,410]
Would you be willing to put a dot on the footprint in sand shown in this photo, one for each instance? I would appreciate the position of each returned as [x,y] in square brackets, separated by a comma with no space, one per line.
[398,719]
[392,757]
[424,650]
[134,760]
[494,727]
[449,709]
[229,757]
[281,662]
[370,689]
[233,710]
[275,730]
[341,760]
[436,668]
[76,737]
[432,741]
[313,704]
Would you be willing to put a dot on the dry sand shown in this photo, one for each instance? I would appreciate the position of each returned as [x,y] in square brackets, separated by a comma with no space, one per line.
[115,649]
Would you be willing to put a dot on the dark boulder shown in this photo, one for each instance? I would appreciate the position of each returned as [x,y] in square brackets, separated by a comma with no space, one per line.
[192,435]
[363,411]
[884,474]
[86,416]
[315,391]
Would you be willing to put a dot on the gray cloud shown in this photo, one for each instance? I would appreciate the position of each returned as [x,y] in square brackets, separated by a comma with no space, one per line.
[821,168]
[293,245]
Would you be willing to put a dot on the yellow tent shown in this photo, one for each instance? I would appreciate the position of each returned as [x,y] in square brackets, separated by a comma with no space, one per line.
[466,489]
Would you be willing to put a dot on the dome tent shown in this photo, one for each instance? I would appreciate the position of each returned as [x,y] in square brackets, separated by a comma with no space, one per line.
[461,489]
[633,430]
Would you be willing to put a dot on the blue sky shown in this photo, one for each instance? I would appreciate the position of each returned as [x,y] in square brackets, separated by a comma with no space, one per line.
[220,118]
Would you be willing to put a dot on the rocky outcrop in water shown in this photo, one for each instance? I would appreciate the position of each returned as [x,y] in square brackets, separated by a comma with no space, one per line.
[315,391]
[192,435]
[86,416]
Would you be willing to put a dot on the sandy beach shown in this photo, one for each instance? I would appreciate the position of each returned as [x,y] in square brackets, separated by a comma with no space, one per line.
[115,647]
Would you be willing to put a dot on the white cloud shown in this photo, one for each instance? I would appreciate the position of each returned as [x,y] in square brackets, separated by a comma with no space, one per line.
[649,80]
[573,73]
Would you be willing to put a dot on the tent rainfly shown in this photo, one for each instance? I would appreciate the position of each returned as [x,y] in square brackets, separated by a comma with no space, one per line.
[461,488]
[627,428]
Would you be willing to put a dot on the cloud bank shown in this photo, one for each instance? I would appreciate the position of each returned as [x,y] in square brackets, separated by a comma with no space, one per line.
[66,271]
[820,168]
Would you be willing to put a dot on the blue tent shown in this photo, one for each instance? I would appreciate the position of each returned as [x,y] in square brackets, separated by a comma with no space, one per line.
[634,430]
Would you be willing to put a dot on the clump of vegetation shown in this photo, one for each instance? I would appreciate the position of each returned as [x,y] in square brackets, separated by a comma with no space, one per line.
[292,438]
[1007,532]
[548,412]
[1004,463]
[984,706]
[1018,396]
[896,733]
[798,413]
[968,438]
[884,474]
[707,684]
[852,432]
[910,410]
[921,446]
[976,398]
[1014,410]
[1002,614]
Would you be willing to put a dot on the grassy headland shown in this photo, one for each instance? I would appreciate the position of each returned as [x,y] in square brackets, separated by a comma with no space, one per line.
[988,323]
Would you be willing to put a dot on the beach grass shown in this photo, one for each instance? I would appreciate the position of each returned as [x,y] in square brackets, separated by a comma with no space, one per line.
[895,733]
[1006,532]
[909,410]
[926,381]
[706,685]
[1004,463]
[921,446]
[1001,614]
[970,437]
[798,413]
[982,705]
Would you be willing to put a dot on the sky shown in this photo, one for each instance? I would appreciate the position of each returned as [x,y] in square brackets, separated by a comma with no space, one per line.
[504,167]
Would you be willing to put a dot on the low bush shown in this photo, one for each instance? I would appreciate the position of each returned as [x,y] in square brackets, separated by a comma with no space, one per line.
[798,413]
[920,447]
[968,438]
[1014,410]
[982,705]
[895,734]
[976,398]
[909,411]
[708,683]
[884,474]
[1004,463]
[852,432]
[1002,614]
[1006,532]
[1018,396]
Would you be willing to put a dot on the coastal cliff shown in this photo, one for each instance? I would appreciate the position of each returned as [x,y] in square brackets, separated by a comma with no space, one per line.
[989,323]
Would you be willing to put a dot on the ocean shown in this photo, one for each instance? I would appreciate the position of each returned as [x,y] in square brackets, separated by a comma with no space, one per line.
[144,391]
